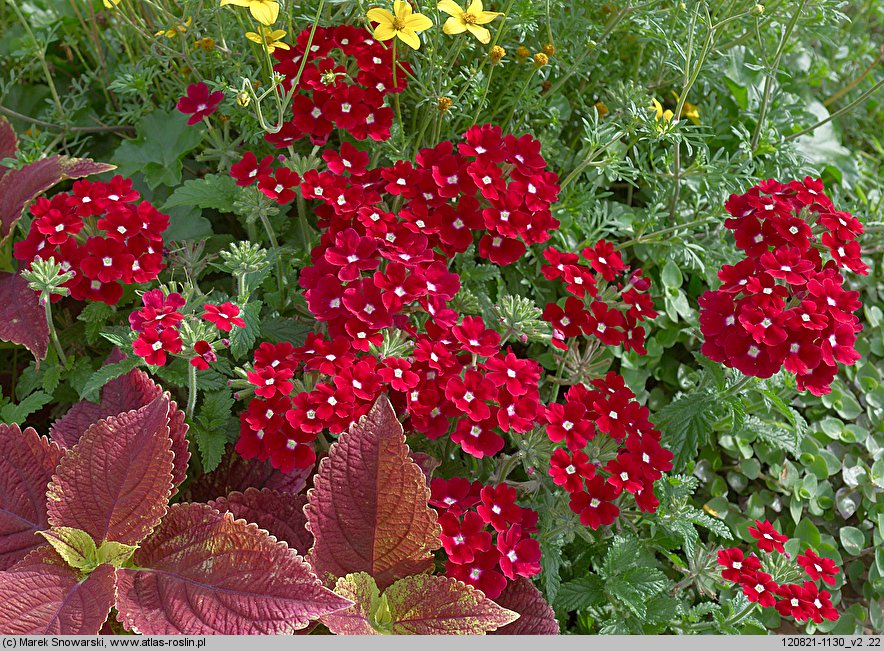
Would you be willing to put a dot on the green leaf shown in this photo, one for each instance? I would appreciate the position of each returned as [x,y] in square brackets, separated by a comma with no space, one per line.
[75,546]
[278,329]
[115,553]
[623,552]
[586,591]
[217,191]
[852,539]
[18,413]
[671,275]
[242,339]
[876,474]
[685,423]
[95,316]
[808,534]
[163,138]
[211,427]
[105,374]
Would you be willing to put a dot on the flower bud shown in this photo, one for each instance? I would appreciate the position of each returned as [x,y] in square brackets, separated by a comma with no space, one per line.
[549,50]
[444,103]
[522,53]
[497,53]
[540,60]
[243,99]
[757,10]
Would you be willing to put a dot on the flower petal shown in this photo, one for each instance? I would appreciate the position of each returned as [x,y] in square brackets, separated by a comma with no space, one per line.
[238,3]
[450,7]
[264,12]
[384,32]
[418,23]
[480,33]
[381,16]
[401,9]
[486,17]
[475,7]
[454,26]
[410,38]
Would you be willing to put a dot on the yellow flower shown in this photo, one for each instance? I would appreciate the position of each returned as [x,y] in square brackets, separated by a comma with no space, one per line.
[688,111]
[110,4]
[207,43]
[264,11]
[271,39]
[467,20]
[666,115]
[402,23]
[180,28]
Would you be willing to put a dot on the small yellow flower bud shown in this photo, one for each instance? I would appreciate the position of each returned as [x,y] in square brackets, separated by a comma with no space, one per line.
[522,52]
[601,108]
[757,10]
[540,60]
[243,99]
[444,104]
[207,43]
[549,50]
[497,53]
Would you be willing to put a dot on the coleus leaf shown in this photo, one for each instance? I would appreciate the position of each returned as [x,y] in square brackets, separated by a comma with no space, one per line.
[426,463]
[368,509]
[416,605]
[115,483]
[75,546]
[126,393]
[8,142]
[535,615]
[43,595]
[22,319]
[237,474]
[26,466]
[279,514]
[203,572]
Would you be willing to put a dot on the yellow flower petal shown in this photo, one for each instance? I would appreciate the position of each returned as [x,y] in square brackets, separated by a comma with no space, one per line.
[110,4]
[381,16]
[450,7]
[408,37]
[277,34]
[480,33]
[384,32]
[281,46]
[475,7]
[418,23]
[454,26]
[401,9]
[255,38]
[237,3]
[264,12]
[657,108]
[486,17]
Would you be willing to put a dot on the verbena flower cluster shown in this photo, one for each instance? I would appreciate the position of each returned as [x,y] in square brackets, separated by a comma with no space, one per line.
[782,306]
[101,233]
[485,559]
[802,601]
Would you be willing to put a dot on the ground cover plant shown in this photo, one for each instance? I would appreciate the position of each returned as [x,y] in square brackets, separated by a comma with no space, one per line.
[436,318]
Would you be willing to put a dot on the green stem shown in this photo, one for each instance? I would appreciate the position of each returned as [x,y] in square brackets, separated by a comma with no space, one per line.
[518,99]
[484,95]
[643,239]
[53,334]
[735,389]
[768,81]
[837,113]
[191,390]
[280,268]
[590,159]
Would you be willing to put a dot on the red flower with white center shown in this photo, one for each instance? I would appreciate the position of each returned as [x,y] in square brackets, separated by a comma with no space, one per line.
[364,301]
[594,505]
[267,415]
[557,262]
[579,280]
[482,573]
[498,507]
[569,421]
[153,345]
[455,494]
[87,198]
[280,186]
[58,225]
[329,357]
[818,604]
[461,540]
[654,458]
[361,378]
[485,142]
[759,588]
[604,259]
[516,414]
[348,160]
[121,223]
[519,555]
[248,170]
[794,601]
[199,102]
[224,316]
[478,438]
[204,355]
[398,374]
[828,292]
[736,565]
[290,451]
[471,394]
[159,311]
[269,381]
[517,375]
[438,281]
[769,539]
[626,473]
[569,470]
[501,250]
[817,567]
[787,263]
[273,355]
[836,344]
[488,178]
[105,260]
[569,320]
[524,152]
[476,338]
[764,325]
[352,254]
[605,323]
[302,414]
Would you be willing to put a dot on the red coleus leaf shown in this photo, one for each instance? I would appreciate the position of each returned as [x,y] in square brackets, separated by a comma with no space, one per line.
[416,605]
[237,474]
[42,595]
[279,514]
[205,573]
[368,509]
[115,483]
[125,393]
[22,319]
[26,466]
[536,616]
[8,142]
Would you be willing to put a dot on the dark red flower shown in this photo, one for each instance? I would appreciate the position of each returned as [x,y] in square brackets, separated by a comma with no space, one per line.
[769,539]
[199,102]
[224,316]
[519,554]
[204,355]
[462,539]
[817,567]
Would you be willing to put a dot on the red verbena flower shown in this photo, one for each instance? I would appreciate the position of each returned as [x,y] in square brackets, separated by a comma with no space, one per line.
[224,316]
[199,102]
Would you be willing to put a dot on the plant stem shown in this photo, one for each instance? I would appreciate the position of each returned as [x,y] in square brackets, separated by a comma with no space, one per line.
[53,334]
[837,113]
[768,81]
[671,229]
[280,269]
[191,390]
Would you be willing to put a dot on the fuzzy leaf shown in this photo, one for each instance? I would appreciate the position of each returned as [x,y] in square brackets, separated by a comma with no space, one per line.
[22,319]
[126,393]
[237,474]
[105,374]
[202,573]
[75,546]
[368,509]
[535,615]
[13,413]
[280,514]
[216,191]
[242,339]
[416,605]
[26,466]
[210,430]
[157,152]
[42,595]
[582,592]
[116,481]
[685,423]
[19,186]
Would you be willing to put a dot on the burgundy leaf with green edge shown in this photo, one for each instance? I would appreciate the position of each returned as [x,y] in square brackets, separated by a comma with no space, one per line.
[416,605]
[535,615]
[202,572]
[19,186]
[22,318]
[8,142]
[279,514]
[115,483]
[27,462]
[125,393]
[237,474]
[42,595]
[368,508]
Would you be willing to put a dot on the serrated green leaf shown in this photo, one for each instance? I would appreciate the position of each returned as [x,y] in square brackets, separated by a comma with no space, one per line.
[12,413]
[105,374]
[623,552]
[217,191]
[163,138]
[278,329]
[685,423]
[583,592]
[211,428]
[75,546]
[242,339]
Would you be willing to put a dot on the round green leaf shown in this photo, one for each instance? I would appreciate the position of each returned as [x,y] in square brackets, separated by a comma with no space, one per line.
[852,539]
